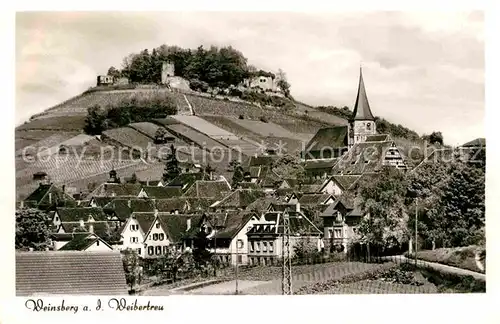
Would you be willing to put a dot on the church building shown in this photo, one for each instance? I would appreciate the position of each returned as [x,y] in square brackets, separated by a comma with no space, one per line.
[355,148]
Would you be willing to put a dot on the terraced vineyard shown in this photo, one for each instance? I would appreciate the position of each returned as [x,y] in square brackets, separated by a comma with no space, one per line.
[62,169]
[45,143]
[128,137]
[61,123]
[265,129]
[205,127]
[146,128]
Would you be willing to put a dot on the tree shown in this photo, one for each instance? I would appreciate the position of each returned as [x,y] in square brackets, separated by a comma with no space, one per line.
[172,168]
[237,173]
[283,83]
[382,198]
[208,172]
[133,178]
[201,255]
[132,267]
[32,229]
[160,135]
[114,72]
[434,137]
[95,122]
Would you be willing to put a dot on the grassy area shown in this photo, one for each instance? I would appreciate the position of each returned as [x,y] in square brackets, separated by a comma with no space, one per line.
[453,283]
[460,257]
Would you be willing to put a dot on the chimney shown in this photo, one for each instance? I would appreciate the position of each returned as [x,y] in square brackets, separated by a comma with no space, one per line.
[21,204]
[188,224]
[82,223]
[156,212]
[176,212]
[297,207]
[64,188]
[129,203]
[91,228]
[50,197]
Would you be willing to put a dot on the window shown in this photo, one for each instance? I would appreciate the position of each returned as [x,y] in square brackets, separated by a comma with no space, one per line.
[161,236]
[257,248]
[239,244]
[251,246]
[139,251]
[158,250]
[157,225]
[56,218]
[97,243]
[165,249]
[155,237]
[338,233]
[264,246]
[151,250]
[271,247]
[339,216]
[240,259]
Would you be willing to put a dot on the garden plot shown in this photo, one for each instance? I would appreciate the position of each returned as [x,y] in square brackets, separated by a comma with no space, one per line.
[264,129]
[191,135]
[206,127]
[128,137]
[148,129]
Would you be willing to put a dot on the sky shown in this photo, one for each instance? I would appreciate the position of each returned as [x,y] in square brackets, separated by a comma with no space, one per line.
[423,70]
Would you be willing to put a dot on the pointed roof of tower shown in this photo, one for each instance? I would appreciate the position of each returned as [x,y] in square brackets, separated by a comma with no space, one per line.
[361,107]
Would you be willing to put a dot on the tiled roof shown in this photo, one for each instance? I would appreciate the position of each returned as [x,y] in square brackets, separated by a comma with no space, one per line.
[378,138]
[261,204]
[346,181]
[80,213]
[310,188]
[299,224]
[70,273]
[185,180]
[363,158]
[175,226]
[349,201]
[362,109]
[123,211]
[328,137]
[248,185]
[208,189]
[172,204]
[99,228]
[162,192]
[80,242]
[254,171]
[145,220]
[261,160]
[199,204]
[102,201]
[234,223]
[284,192]
[283,207]
[478,142]
[313,199]
[320,164]
[240,198]
[41,196]
[117,190]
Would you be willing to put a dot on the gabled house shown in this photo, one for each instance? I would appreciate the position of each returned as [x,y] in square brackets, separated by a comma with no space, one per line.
[262,204]
[157,192]
[134,231]
[340,222]
[100,201]
[228,235]
[266,235]
[292,198]
[237,200]
[337,184]
[88,242]
[70,273]
[208,189]
[48,197]
[167,230]
[107,231]
[123,208]
[77,214]
[319,169]
[177,205]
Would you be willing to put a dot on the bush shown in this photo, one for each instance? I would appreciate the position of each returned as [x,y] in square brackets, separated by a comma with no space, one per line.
[263,119]
[241,117]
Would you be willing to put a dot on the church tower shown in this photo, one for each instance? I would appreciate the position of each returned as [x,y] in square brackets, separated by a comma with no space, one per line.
[362,122]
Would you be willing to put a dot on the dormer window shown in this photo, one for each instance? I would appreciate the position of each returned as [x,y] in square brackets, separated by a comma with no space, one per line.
[368,126]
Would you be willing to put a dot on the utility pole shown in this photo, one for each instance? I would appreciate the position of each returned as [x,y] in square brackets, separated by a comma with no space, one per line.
[236,272]
[416,230]
[286,283]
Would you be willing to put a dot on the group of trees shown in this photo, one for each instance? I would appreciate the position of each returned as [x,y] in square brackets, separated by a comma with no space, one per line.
[448,198]
[216,67]
[128,111]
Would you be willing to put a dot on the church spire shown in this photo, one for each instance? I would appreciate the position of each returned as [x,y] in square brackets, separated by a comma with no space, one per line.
[361,107]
